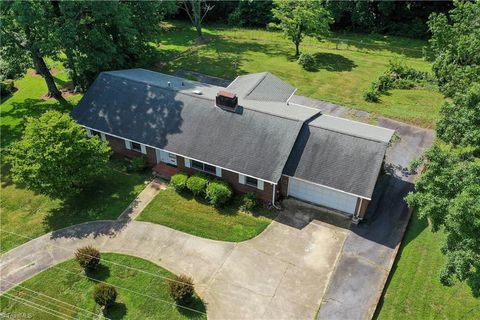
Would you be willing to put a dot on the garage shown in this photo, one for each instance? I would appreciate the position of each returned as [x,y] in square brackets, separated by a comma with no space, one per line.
[322,196]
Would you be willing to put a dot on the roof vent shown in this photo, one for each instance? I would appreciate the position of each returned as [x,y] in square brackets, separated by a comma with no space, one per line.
[226,100]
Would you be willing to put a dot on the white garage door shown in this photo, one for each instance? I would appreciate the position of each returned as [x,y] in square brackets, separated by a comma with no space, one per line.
[322,196]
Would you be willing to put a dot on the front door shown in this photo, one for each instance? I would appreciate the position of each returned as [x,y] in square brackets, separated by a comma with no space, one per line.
[166,157]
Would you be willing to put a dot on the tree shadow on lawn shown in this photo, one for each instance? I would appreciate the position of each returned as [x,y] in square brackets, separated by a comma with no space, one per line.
[116,312]
[101,273]
[223,57]
[195,304]
[333,62]
[104,199]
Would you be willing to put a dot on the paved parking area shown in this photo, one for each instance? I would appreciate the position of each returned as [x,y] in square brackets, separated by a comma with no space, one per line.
[280,274]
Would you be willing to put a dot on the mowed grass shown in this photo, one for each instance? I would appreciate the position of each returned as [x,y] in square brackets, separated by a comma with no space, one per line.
[342,75]
[195,216]
[414,290]
[67,282]
[25,214]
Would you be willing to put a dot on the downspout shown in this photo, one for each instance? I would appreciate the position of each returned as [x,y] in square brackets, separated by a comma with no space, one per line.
[273,199]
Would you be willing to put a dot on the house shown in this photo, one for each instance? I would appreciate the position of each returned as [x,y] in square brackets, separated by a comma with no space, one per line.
[248,134]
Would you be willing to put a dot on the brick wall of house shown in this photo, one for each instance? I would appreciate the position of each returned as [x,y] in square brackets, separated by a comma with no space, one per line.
[283,186]
[118,146]
[232,179]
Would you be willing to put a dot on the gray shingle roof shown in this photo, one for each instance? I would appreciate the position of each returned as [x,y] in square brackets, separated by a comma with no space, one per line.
[262,86]
[337,160]
[177,120]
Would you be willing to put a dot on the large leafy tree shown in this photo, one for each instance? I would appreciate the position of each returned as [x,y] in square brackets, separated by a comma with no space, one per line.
[55,156]
[27,39]
[456,46]
[302,18]
[459,121]
[107,35]
[196,11]
[448,193]
[448,190]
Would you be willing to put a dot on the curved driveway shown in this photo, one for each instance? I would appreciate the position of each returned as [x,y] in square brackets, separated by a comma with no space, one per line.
[282,273]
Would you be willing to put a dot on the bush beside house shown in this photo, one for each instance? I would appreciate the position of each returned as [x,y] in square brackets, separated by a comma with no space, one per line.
[218,192]
[249,201]
[197,184]
[179,182]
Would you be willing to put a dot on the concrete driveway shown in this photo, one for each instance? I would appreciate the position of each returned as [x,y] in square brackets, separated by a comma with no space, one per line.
[280,274]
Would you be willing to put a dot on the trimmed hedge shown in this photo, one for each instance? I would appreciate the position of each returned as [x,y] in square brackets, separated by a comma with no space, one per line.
[105,295]
[197,183]
[181,289]
[249,201]
[88,257]
[218,192]
[307,61]
[179,181]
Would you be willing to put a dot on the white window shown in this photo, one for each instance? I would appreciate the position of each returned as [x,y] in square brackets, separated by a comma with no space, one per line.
[204,167]
[135,146]
[251,181]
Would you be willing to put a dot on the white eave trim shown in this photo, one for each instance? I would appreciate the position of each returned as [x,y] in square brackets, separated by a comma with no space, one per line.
[322,185]
[178,154]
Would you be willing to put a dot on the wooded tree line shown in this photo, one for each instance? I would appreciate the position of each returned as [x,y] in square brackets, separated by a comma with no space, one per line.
[448,190]
[403,18]
[88,36]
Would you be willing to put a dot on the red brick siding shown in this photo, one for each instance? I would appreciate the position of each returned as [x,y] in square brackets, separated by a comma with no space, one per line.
[232,179]
[283,186]
[118,146]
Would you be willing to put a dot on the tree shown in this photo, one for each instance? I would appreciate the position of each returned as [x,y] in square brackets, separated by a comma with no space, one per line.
[447,193]
[55,157]
[104,295]
[196,11]
[301,18]
[88,258]
[459,122]
[28,37]
[181,289]
[456,45]
[108,35]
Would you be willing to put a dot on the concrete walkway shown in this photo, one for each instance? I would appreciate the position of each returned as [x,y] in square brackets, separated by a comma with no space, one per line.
[280,274]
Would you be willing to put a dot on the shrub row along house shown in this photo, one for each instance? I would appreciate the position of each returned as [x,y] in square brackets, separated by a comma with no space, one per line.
[248,134]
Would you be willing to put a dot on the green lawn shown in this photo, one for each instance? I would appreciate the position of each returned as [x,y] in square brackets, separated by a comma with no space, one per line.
[414,290]
[187,214]
[30,215]
[342,76]
[66,282]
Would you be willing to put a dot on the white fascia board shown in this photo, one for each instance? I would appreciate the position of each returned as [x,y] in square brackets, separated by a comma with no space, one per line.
[181,155]
[334,189]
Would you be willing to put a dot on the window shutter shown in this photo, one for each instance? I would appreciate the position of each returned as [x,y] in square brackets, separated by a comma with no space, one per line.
[103,137]
[143,148]
[260,184]
[218,172]
[89,133]
[241,179]
[187,163]
[128,145]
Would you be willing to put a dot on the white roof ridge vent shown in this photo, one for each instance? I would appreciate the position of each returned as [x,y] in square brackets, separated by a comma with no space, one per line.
[197,91]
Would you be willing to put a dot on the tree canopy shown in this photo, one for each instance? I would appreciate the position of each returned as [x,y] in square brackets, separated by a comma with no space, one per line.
[27,39]
[448,190]
[55,156]
[456,45]
[302,18]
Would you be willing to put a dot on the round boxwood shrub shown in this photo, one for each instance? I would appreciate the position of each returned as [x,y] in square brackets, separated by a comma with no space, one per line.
[181,289]
[105,295]
[197,184]
[218,192]
[88,257]
[179,181]
[249,201]
[307,61]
